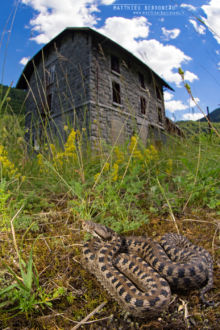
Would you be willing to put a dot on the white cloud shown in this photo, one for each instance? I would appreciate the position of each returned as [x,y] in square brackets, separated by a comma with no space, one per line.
[192,103]
[177,105]
[192,116]
[125,31]
[173,105]
[170,34]
[107,2]
[190,76]
[212,11]
[24,60]
[164,59]
[55,15]
[167,96]
[199,28]
[187,6]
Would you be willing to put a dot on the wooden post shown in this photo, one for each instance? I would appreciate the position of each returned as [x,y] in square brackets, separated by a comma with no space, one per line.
[208,116]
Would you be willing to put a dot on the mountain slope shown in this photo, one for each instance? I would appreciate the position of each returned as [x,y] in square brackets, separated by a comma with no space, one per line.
[214,116]
[15,100]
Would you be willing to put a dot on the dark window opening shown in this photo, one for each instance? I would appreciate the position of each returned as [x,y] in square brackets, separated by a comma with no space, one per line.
[141,79]
[143,105]
[49,103]
[116,94]
[160,116]
[159,93]
[115,65]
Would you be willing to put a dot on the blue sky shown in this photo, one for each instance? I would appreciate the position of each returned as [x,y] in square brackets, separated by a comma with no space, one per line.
[166,34]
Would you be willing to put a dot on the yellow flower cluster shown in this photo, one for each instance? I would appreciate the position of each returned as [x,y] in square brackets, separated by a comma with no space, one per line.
[104,170]
[96,176]
[144,155]
[7,168]
[114,173]
[119,155]
[57,157]
[147,154]
[133,148]
[61,158]
[151,153]
[70,147]
[106,167]
[41,164]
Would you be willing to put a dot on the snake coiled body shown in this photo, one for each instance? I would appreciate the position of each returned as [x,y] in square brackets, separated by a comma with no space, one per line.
[138,271]
[129,279]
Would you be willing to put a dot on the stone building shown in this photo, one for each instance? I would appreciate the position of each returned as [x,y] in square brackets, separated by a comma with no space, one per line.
[172,128]
[83,78]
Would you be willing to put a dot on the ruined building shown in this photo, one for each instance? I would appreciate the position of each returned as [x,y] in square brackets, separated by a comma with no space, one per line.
[83,78]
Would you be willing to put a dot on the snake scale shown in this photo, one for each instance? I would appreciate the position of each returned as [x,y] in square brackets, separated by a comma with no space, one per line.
[139,272]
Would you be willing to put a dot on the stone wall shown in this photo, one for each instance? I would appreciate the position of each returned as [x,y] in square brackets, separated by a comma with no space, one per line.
[116,122]
[67,65]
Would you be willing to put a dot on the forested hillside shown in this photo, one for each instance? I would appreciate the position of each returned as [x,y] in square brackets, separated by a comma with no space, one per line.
[14,102]
[191,127]
[214,116]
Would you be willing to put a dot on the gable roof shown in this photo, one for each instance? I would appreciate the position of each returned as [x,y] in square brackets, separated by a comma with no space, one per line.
[29,68]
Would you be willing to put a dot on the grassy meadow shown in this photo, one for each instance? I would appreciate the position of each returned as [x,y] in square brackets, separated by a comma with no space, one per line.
[45,195]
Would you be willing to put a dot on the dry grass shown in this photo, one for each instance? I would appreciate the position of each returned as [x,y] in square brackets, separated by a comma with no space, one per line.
[85,305]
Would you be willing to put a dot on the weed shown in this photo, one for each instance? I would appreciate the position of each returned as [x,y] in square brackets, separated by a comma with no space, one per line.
[25,293]
[4,196]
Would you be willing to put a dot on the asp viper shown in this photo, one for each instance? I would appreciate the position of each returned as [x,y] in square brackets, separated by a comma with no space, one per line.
[138,272]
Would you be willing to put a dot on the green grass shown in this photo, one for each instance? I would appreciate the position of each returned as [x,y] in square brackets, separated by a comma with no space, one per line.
[194,128]
[120,185]
[123,187]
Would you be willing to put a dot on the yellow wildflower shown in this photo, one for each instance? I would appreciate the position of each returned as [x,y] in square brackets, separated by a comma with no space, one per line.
[53,149]
[40,162]
[96,177]
[7,168]
[23,178]
[59,159]
[151,153]
[70,147]
[119,155]
[137,154]
[115,172]
[154,151]
[106,167]
[134,150]
[133,144]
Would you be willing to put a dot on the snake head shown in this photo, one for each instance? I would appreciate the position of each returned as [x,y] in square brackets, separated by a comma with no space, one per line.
[98,230]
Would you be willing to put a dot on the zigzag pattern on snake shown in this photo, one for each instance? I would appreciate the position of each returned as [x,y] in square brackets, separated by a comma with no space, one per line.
[138,272]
